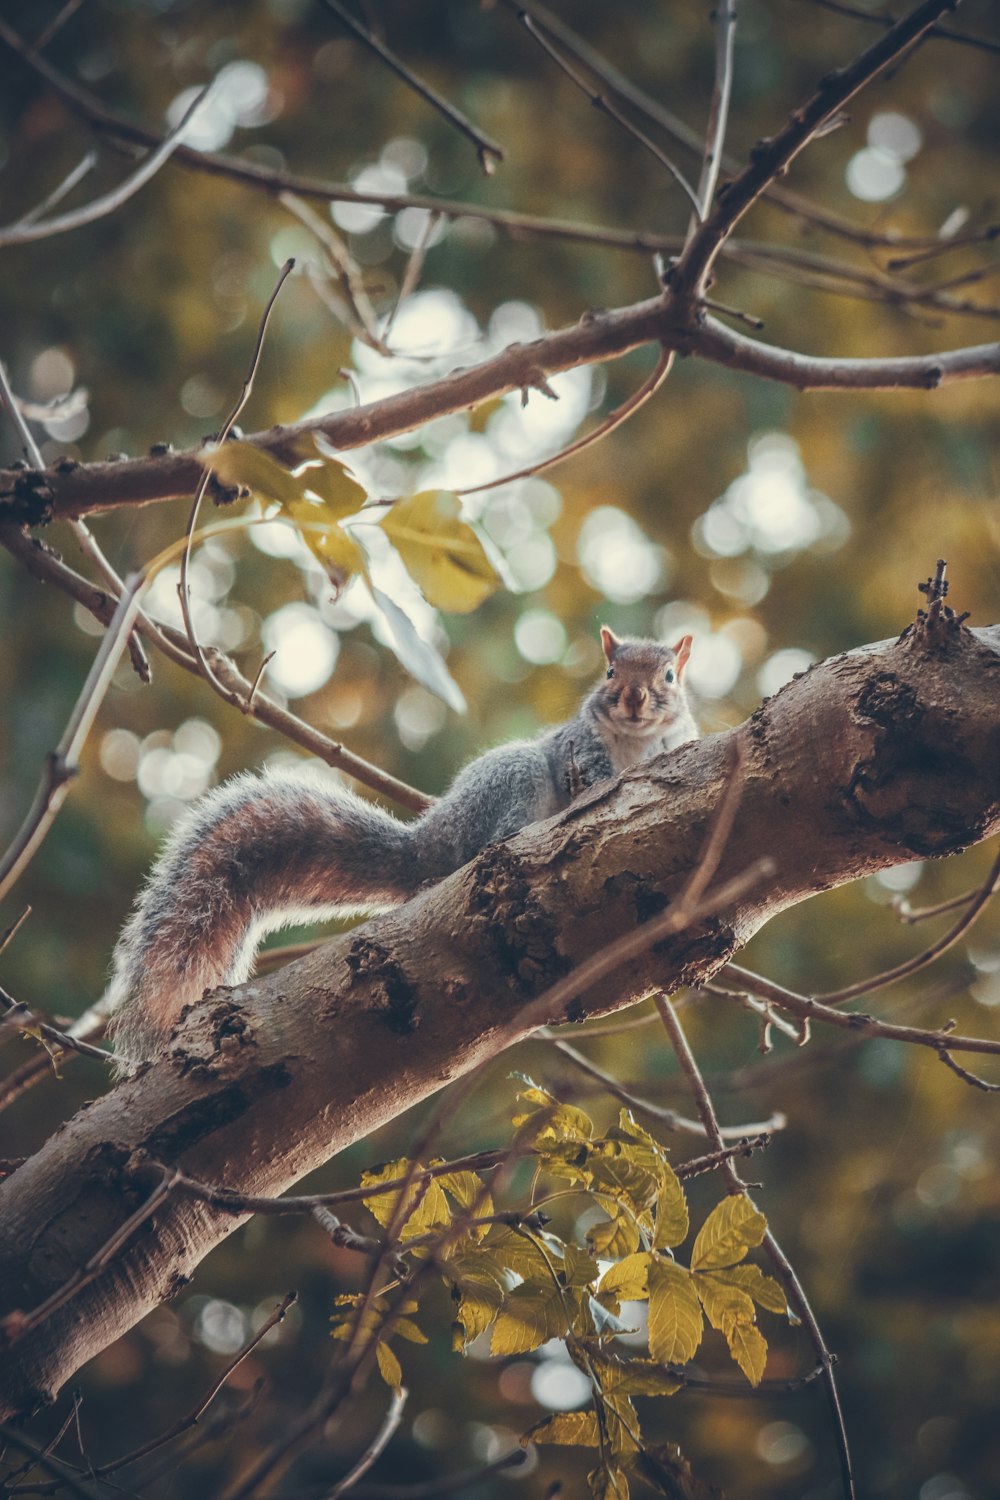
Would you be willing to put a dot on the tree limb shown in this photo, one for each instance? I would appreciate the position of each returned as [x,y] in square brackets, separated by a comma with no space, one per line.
[868,760]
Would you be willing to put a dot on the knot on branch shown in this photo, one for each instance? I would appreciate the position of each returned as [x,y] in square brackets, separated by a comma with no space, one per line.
[519,932]
[938,626]
[395,997]
[25,496]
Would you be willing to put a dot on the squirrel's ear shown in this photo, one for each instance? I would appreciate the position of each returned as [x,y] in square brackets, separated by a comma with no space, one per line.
[682,651]
[610,643]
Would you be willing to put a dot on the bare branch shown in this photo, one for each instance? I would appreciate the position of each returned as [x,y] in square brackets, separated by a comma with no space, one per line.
[718,116]
[946,33]
[669,1119]
[600,102]
[946,1039]
[25,232]
[772,156]
[377,1446]
[62,763]
[488,151]
[921,960]
[611,422]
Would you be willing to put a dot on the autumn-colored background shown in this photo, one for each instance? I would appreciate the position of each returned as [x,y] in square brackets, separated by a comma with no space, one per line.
[780,528]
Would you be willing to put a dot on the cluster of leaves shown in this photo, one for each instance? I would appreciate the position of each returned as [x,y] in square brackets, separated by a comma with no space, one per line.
[441,552]
[517,1282]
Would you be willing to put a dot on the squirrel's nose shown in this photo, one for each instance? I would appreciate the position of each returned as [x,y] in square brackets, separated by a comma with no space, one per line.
[634,698]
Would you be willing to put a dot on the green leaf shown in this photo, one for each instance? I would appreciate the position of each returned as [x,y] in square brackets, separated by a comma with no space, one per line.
[389,1367]
[748,1347]
[763,1289]
[571,1428]
[628,1280]
[442,553]
[671,1223]
[725,1303]
[732,1228]
[675,1321]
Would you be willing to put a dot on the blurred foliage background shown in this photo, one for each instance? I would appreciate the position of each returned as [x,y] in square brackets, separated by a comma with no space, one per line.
[780,527]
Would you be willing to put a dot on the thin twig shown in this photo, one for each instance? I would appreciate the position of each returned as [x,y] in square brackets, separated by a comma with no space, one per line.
[724,21]
[241,401]
[488,151]
[786,1274]
[414,267]
[17,1439]
[84,165]
[602,103]
[198,1411]
[771,157]
[946,33]
[613,420]
[377,1446]
[19,1016]
[17,1323]
[921,960]
[62,763]
[25,233]
[668,1118]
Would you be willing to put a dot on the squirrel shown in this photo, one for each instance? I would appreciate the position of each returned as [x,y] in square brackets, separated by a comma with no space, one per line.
[268,849]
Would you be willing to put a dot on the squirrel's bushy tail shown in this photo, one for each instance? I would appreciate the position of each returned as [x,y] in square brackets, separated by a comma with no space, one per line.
[256,854]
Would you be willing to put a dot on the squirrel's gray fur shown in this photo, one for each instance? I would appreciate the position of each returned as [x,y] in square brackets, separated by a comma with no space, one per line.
[265,850]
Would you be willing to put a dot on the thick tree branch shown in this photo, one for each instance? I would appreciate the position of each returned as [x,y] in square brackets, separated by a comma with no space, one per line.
[870,759]
[73,490]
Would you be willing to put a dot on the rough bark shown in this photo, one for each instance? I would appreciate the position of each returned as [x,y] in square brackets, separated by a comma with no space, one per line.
[883,755]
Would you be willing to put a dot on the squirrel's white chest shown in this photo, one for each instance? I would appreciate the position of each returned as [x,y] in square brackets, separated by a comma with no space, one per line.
[627,749]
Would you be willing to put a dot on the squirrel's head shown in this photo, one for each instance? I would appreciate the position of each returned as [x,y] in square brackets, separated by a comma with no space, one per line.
[644,687]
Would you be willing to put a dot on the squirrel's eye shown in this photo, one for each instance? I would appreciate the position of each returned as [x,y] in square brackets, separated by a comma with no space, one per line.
[669,674]
[611,671]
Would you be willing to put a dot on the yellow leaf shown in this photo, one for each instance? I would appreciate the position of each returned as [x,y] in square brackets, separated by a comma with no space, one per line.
[577,1428]
[634,1377]
[725,1304]
[335,486]
[608,1483]
[441,552]
[675,1320]
[337,553]
[424,1210]
[389,1367]
[748,1347]
[763,1289]
[405,1328]
[615,1238]
[671,1223]
[628,1280]
[253,469]
[481,1289]
[529,1318]
[732,1228]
